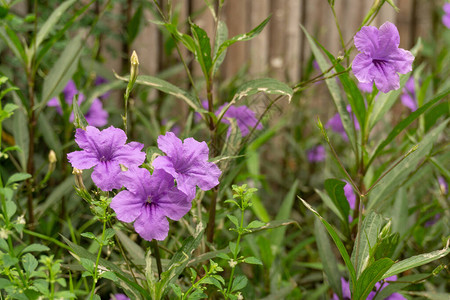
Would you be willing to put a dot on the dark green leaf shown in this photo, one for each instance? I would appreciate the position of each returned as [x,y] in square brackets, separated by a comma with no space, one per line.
[17,177]
[253,260]
[369,277]
[239,283]
[35,248]
[134,25]
[202,49]
[335,189]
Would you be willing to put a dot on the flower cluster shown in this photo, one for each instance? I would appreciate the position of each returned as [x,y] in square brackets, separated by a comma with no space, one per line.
[381,59]
[95,116]
[244,116]
[149,199]
[378,287]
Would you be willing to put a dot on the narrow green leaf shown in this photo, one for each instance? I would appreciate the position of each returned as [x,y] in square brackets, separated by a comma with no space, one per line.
[330,266]
[262,85]
[134,250]
[20,132]
[51,138]
[416,261]
[167,88]
[369,277]
[134,25]
[62,71]
[79,120]
[397,175]
[187,40]
[275,224]
[253,260]
[393,287]
[221,37]
[13,42]
[51,21]
[241,37]
[202,49]
[335,92]
[337,241]
[406,122]
[368,236]
[284,212]
[335,189]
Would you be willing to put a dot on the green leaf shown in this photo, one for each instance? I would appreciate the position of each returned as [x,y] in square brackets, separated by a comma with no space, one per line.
[370,276]
[239,283]
[402,170]
[11,208]
[134,250]
[48,133]
[13,42]
[335,189]
[284,212]
[416,261]
[262,85]
[330,266]
[35,248]
[79,121]
[337,241]
[368,236]
[109,275]
[213,281]
[187,40]
[255,224]
[4,283]
[62,71]
[241,37]
[221,37]
[234,248]
[253,260]
[167,88]
[51,21]
[133,25]
[405,123]
[275,224]
[335,92]
[202,49]
[20,132]
[29,264]
[234,220]
[109,233]
[126,279]
[89,235]
[17,177]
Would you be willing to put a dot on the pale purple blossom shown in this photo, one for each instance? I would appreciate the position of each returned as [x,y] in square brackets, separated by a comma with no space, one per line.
[187,162]
[446,16]
[149,200]
[366,87]
[119,297]
[316,154]
[378,287]
[105,151]
[381,59]
[244,116]
[408,96]
[99,80]
[335,123]
[432,221]
[443,185]
[95,116]
[350,195]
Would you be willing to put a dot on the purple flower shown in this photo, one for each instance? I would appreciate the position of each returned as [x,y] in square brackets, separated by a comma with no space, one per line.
[408,97]
[245,118]
[335,123]
[432,221]
[119,297]
[366,87]
[105,150]
[446,16]
[378,287]
[99,80]
[443,185]
[350,195]
[149,200]
[380,59]
[95,116]
[187,162]
[316,154]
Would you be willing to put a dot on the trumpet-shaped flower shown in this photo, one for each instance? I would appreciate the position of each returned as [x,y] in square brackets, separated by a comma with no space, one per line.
[316,154]
[381,59]
[446,16]
[148,201]
[408,97]
[187,162]
[105,150]
[378,287]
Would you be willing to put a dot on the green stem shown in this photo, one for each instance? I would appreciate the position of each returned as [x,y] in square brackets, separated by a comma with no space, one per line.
[47,238]
[235,254]
[157,257]
[338,28]
[95,277]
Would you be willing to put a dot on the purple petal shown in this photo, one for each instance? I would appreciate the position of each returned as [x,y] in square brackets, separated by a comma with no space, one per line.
[120,297]
[96,115]
[363,68]
[114,137]
[70,90]
[152,223]
[408,101]
[127,206]
[366,87]
[106,176]
[385,77]
[388,39]
[175,203]
[166,164]
[129,155]
[137,180]
[82,159]
[85,138]
[446,8]
[350,195]
[366,40]
[396,296]
[169,144]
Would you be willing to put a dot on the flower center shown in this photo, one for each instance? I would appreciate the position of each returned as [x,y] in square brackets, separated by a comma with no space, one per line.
[149,199]
[378,62]
[103,158]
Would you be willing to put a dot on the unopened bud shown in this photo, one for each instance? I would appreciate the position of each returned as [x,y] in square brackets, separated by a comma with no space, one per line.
[78,178]
[134,67]
[52,157]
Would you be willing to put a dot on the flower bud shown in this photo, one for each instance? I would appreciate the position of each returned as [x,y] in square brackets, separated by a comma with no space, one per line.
[78,178]
[134,71]
[52,161]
